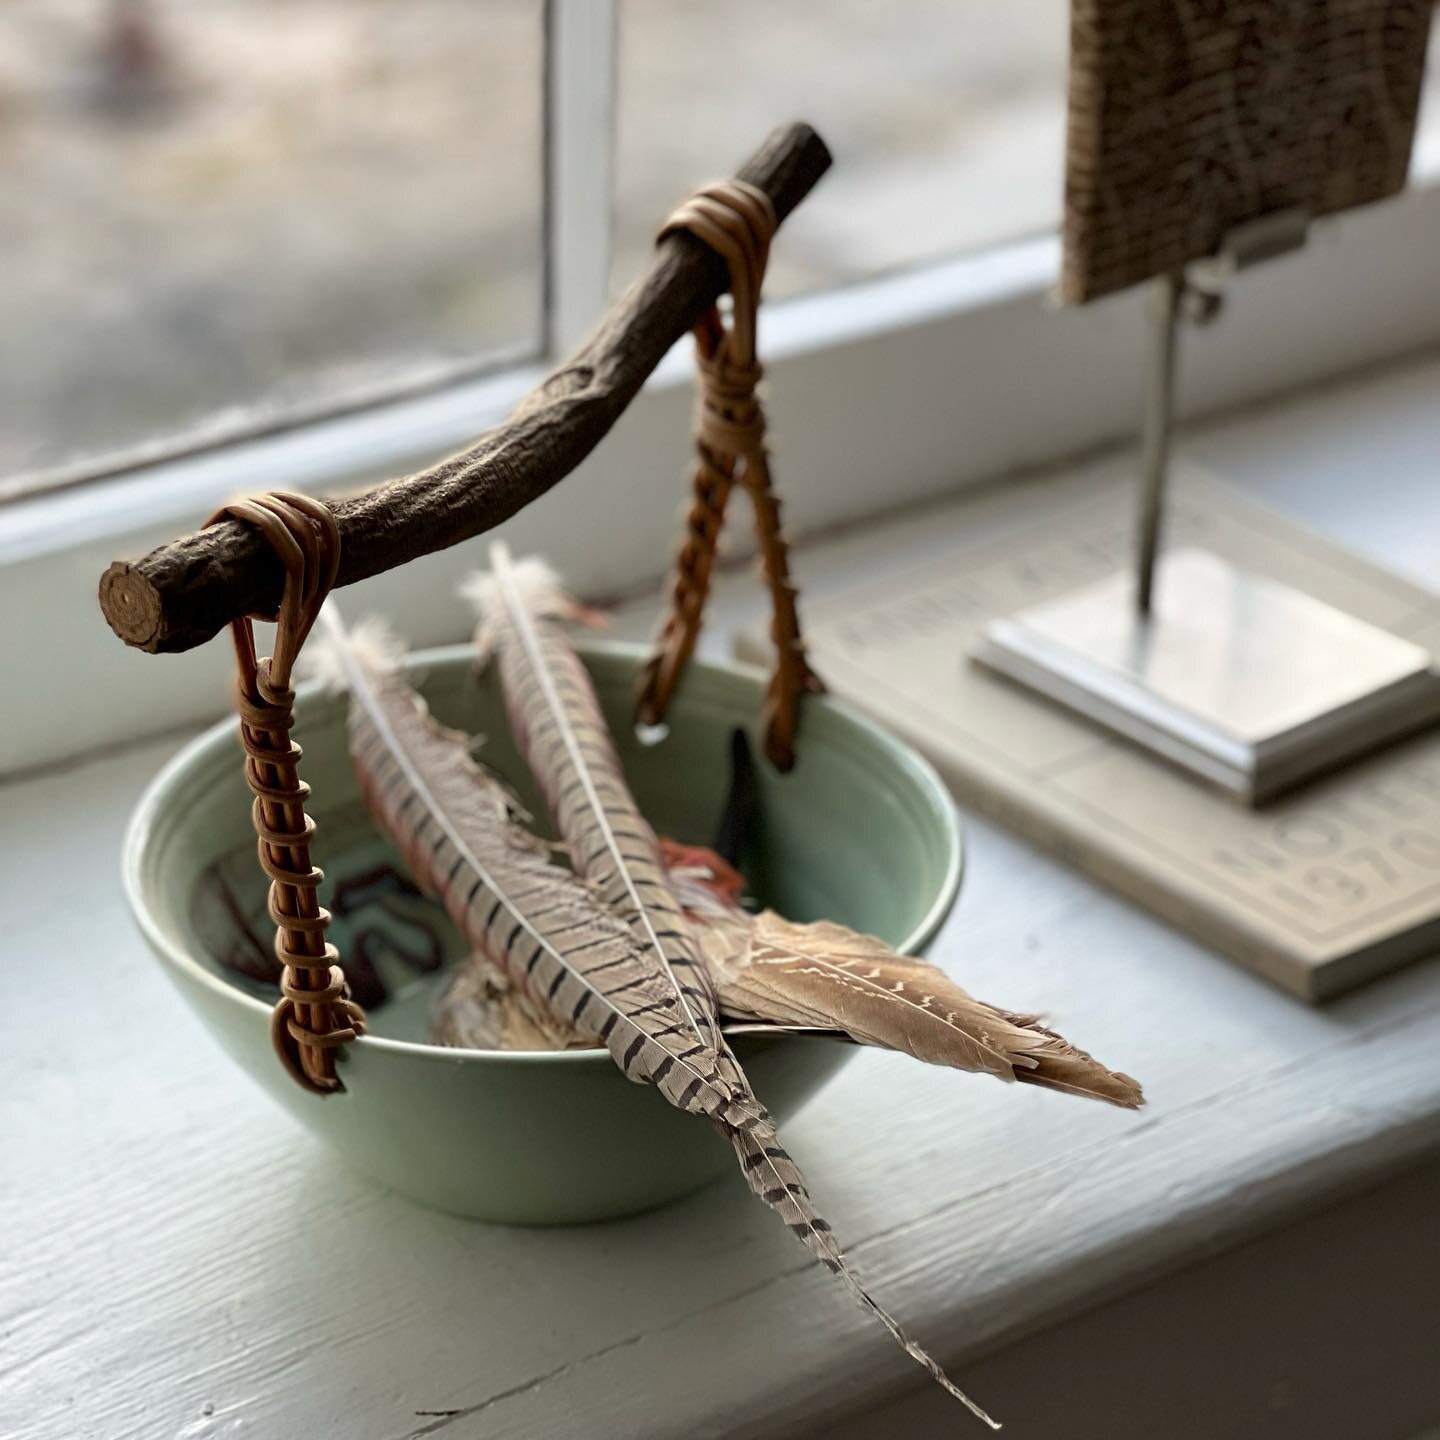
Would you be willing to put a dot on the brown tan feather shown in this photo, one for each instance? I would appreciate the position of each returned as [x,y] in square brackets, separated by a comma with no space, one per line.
[826,976]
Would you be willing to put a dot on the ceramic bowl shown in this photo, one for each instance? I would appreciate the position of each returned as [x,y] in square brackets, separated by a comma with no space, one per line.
[861,831]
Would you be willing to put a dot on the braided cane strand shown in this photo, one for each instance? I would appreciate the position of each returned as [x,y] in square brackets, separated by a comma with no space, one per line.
[313,1017]
[737,222]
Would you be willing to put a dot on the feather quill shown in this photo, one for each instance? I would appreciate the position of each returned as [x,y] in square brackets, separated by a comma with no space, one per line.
[557,723]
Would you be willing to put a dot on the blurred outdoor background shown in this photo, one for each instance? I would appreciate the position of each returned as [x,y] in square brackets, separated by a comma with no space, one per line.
[217,212]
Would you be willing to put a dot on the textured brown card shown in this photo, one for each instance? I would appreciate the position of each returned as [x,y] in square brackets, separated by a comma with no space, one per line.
[1331,884]
[1188,117]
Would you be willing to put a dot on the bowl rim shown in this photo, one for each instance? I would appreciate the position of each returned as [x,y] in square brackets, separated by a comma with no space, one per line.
[171,777]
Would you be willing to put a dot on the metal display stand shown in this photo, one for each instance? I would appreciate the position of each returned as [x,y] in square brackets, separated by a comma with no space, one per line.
[1245,682]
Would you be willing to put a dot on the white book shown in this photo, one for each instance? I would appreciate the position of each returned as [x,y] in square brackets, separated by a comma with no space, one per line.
[1331,883]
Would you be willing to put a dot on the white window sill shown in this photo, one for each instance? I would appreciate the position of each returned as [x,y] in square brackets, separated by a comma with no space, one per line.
[164,1277]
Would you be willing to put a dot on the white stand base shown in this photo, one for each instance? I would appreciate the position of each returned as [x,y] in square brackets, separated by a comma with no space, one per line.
[1241,680]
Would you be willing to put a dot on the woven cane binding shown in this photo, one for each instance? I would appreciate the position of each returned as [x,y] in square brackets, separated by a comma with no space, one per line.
[314,1017]
[736,221]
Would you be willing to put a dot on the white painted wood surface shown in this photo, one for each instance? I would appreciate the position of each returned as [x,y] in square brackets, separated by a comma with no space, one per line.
[177,1260]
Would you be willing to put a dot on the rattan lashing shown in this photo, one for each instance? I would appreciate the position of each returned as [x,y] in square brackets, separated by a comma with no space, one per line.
[737,221]
[314,1017]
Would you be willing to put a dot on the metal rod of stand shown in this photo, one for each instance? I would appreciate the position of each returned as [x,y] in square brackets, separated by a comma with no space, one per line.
[1155,452]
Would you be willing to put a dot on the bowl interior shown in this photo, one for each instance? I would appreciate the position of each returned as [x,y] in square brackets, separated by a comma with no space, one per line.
[861,831]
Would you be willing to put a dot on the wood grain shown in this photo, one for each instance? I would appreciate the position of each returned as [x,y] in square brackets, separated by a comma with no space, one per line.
[181,594]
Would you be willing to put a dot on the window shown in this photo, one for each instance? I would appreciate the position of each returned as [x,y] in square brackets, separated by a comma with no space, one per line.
[217,216]
[311,244]
[218,219]
[949,117]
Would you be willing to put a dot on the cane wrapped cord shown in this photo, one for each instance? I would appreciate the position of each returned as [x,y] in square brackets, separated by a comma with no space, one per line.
[314,1017]
[736,221]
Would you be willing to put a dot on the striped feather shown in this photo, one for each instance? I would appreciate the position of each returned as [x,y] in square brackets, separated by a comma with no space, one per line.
[776,1179]
[558,725]
[453,822]
[557,722]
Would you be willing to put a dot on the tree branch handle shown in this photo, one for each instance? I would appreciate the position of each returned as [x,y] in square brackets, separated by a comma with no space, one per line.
[181,594]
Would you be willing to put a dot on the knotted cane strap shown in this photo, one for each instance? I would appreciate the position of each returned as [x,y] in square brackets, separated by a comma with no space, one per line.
[737,221]
[313,1017]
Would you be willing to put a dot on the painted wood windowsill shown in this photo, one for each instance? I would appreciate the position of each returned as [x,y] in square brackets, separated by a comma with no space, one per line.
[180,1260]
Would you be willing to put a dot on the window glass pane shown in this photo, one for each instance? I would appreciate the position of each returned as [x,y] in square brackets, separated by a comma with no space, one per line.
[946,118]
[246,209]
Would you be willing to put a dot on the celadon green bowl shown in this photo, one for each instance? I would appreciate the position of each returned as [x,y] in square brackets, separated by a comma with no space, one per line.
[861,831]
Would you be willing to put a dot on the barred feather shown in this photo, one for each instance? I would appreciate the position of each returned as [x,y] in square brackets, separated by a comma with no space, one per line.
[776,1179]
[453,823]
[557,722]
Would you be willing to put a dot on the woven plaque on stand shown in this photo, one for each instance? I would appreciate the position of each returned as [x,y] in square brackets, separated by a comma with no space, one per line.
[1188,119]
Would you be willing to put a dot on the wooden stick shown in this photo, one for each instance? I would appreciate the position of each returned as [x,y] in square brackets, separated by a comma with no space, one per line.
[178,596]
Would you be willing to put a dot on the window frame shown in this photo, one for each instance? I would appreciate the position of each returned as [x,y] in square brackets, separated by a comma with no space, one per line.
[955,359]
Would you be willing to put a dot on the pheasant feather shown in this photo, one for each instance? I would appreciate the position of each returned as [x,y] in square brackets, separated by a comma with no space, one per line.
[774,976]
[776,1179]
[824,976]
[542,928]
[557,723]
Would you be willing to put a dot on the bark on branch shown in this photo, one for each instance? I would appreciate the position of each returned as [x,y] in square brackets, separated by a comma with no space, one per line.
[180,595]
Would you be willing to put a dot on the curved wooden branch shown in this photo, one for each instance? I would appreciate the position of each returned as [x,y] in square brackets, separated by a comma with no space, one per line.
[178,596]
